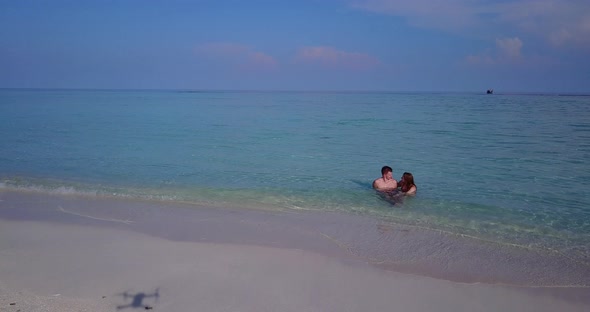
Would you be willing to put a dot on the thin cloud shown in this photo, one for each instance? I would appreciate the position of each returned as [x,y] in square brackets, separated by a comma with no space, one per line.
[508,50]
[509,47]
[448,14]
[241,56]
[480,60]
[559,22]
[222,48]
[331,57]
[261,59]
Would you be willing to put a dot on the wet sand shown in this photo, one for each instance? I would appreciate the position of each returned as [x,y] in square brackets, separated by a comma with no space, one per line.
[73,253]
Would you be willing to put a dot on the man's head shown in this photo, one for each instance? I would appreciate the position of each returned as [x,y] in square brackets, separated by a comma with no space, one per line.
[387,173]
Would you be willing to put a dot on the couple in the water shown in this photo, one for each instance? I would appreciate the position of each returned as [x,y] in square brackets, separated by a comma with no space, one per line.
[388,185]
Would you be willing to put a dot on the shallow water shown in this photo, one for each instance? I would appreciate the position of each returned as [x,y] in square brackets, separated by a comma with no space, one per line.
[505,168]
[350,238]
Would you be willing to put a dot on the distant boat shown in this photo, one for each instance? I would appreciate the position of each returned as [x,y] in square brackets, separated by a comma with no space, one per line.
[490,91]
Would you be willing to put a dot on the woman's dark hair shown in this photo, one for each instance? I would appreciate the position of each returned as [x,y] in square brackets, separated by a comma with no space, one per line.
[407,181]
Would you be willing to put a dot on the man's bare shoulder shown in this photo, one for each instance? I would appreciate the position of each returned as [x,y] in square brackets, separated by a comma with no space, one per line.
[378,182]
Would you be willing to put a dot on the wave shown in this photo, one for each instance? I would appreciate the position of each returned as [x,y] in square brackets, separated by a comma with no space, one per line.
[60,187]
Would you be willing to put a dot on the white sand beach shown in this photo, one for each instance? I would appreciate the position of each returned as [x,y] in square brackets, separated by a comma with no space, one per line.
[55,266]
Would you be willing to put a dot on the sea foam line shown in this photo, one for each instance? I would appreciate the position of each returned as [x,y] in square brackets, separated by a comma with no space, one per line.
[95,218]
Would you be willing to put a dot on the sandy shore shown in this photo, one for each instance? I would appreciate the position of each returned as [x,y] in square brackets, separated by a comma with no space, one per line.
[62,259]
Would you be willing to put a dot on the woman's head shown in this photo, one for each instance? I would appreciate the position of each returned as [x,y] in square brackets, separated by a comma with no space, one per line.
[407,183]
[407,179]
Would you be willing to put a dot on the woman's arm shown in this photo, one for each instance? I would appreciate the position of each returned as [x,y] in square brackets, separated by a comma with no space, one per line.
[412,190]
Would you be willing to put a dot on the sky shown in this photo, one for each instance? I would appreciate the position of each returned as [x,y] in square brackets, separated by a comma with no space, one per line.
[324,45]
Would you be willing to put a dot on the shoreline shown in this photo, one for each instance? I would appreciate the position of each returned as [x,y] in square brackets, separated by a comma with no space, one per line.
[390,246]
[496,225]
[200,257]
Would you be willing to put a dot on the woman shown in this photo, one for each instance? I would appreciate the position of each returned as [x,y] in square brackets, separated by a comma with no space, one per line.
[407,184]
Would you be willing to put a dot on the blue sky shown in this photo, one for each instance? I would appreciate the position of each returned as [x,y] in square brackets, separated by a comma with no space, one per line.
[374,45]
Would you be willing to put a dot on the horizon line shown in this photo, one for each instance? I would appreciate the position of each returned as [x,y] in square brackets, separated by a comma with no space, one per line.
[185,90]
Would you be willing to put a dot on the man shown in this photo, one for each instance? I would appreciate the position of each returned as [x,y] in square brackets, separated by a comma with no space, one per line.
[386,183]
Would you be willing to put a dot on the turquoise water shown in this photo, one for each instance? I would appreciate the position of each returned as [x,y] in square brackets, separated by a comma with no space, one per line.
[506,168]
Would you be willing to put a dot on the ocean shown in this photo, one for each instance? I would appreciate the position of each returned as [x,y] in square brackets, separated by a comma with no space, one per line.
[506,168]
